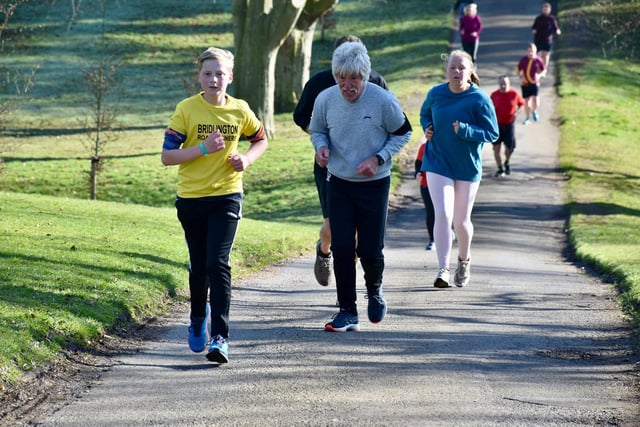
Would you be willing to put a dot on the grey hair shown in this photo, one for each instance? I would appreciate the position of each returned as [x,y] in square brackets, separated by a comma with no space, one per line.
[350,59]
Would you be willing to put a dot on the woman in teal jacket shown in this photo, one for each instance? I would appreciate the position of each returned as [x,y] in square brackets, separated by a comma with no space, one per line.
[458,118]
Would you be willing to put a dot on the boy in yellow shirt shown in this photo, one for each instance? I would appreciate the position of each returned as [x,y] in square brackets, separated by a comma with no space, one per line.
[202,138]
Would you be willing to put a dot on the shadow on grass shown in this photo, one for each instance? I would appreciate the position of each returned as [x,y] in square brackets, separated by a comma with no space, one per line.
[602,173]
[47,273]
[53,132]
[602,208]
[62,159]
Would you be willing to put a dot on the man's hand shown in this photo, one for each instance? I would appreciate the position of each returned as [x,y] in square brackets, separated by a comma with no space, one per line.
[369,167]
[322,156]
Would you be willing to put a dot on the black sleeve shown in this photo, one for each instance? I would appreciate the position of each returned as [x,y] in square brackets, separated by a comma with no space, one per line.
[316,84]
[405,128]
[376,78]
[304,108]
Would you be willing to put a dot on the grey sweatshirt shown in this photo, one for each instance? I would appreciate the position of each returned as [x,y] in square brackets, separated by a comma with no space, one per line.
[355,131]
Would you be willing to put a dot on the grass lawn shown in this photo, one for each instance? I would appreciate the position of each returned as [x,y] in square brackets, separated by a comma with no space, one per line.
[599,101]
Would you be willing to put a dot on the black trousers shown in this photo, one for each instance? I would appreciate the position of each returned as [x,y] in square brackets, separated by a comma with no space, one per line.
[210,226]
[357,208]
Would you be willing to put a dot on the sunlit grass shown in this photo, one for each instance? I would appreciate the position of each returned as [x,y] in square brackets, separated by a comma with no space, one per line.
[73,269]
[599,101]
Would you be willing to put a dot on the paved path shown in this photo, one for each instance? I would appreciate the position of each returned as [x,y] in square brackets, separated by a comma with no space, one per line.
[531,341]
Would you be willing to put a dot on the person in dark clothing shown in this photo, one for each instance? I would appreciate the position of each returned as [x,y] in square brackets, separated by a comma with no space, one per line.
[421,177]
[544,28]
[470,28]
[302,117]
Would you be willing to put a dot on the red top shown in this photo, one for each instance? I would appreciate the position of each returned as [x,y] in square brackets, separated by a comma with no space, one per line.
[506,105]
[531,67]
[419,156]
[470,24]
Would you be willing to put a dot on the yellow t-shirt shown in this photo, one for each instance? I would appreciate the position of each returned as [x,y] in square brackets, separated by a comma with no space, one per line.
[197,119]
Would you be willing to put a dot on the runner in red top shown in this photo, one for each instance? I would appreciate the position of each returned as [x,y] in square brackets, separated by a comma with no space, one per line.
[507,102]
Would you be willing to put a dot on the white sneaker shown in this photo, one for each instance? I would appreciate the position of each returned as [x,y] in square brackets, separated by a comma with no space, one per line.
[442,279]
[463,273]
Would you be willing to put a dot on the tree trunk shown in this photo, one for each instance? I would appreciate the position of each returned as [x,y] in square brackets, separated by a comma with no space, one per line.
[292,69]
[260,28]
[93,178]
[294,56]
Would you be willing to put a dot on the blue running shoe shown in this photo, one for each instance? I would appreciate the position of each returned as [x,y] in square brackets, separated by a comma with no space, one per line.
[535,116]
[218,350]
[377,308]
[199,332]
[343,321]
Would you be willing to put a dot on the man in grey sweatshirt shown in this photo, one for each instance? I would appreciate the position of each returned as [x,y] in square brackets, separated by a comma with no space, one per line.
[356,128]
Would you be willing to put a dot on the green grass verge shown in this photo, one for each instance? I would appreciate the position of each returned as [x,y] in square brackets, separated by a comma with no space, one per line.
[599,101]
[73,269]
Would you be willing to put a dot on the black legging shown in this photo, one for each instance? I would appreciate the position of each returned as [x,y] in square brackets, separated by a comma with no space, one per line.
[430,214]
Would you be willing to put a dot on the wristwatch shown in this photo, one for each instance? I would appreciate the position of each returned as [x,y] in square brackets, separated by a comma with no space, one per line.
[380,159]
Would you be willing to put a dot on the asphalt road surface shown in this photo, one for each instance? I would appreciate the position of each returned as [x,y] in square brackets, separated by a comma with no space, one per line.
[533,340]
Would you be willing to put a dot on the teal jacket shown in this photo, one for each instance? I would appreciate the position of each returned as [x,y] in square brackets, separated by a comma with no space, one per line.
[457,156]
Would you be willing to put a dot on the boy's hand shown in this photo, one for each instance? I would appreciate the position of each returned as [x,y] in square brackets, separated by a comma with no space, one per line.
[239,162]
[214,142]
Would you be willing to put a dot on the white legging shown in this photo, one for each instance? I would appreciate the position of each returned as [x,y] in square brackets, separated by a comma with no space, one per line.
[453,202]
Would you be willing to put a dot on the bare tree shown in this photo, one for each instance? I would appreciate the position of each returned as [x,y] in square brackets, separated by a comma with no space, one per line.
[294,56]
[100,81]
[7,9]
[20,82]
[75,7]
[260,28]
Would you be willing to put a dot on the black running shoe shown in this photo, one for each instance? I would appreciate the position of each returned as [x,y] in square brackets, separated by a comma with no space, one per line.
[377,308]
